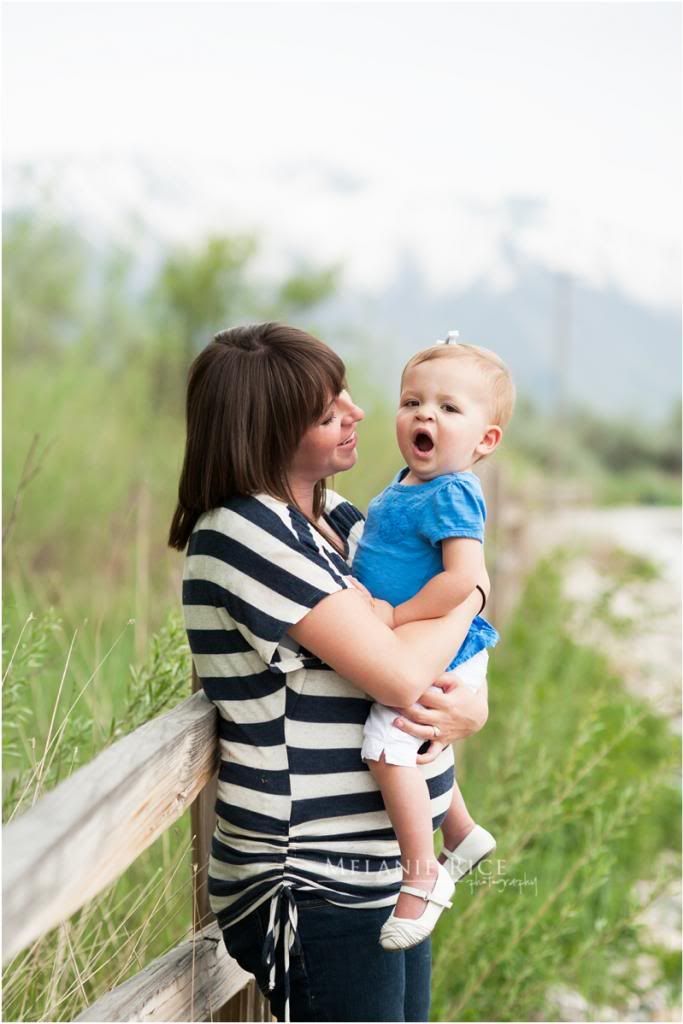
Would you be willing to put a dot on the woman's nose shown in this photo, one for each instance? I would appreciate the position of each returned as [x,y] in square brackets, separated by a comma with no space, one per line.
[350,410]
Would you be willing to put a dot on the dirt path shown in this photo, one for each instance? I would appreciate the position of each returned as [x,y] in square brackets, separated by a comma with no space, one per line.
[648,656]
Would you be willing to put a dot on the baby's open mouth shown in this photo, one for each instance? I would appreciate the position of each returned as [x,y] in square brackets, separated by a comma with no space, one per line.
[423,442]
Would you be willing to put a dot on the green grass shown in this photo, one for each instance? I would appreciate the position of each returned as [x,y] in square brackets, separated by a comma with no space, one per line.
[579,782]
[105,471]
[52,724]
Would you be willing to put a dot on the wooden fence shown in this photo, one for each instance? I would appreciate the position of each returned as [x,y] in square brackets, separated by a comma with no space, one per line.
[81,837]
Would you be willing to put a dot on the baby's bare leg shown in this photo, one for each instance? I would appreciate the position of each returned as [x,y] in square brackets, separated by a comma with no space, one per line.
[457,822]
[406,799]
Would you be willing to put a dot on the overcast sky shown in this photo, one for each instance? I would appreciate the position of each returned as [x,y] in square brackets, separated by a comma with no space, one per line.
[418,107]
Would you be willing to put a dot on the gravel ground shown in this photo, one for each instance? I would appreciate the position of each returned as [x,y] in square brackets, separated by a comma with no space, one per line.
[649,656]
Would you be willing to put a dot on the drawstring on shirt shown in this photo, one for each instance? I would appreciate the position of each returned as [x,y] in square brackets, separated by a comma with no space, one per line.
[282,922]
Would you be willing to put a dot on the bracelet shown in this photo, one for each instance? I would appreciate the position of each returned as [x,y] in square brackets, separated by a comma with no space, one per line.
[483,598]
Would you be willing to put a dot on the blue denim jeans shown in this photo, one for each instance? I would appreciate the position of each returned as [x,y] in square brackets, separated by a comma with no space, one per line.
[338,970]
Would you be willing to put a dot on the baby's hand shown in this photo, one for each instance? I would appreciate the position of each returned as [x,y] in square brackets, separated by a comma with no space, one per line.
[361,590]
[357,585]
[384,611]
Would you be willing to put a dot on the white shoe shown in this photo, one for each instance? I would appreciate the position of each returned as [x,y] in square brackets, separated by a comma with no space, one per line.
[404,932]
[476,845]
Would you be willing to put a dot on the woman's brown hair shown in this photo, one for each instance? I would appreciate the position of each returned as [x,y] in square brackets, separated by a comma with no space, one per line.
[251,395]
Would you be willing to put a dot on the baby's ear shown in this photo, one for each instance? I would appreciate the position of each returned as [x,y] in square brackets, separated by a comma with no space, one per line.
[490,440]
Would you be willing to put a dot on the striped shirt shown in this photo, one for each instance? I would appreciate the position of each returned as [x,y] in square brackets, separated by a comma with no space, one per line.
[296,807]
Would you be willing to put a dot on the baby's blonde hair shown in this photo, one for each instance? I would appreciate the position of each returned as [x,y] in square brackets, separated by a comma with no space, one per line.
[492,367]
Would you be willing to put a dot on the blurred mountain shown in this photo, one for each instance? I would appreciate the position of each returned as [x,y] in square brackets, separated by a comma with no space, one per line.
[569,331]
[563,340]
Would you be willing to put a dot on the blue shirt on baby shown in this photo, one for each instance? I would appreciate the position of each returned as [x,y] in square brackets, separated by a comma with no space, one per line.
[400,548]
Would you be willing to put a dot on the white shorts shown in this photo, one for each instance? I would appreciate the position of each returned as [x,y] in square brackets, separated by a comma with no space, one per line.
[379,734]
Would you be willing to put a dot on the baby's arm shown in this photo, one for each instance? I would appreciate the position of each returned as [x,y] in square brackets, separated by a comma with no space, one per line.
[463,566]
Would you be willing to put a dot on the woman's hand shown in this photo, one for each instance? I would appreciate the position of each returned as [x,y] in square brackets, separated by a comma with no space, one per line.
[451,706]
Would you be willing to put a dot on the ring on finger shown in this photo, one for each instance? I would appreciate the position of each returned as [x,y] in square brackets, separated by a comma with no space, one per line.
[437,731]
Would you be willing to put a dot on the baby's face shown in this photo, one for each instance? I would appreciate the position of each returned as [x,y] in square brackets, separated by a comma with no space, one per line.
[443,415]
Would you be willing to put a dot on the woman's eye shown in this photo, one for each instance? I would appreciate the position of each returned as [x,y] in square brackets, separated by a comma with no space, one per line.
[328,420]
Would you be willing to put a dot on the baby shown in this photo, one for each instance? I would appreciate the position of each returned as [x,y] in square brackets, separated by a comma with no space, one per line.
[420,555]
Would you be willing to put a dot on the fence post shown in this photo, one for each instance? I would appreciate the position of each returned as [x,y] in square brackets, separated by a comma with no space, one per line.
[249,1004]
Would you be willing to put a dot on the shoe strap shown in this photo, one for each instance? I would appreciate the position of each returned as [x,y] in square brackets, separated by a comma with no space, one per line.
[428,897]
[454,858]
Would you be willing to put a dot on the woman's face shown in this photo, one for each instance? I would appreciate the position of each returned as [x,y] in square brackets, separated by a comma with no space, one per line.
[329,446]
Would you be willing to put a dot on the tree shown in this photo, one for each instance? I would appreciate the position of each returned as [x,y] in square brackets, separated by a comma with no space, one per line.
[203,290]
[44,265]
[198,290]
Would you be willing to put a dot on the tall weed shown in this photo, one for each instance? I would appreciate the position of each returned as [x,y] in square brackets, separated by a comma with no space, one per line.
[148,909]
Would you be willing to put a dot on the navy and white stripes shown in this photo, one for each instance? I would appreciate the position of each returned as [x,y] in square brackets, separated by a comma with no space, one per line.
[296,806]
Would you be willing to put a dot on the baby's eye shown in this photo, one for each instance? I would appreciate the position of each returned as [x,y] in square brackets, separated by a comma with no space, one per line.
[450,408]
[410,401]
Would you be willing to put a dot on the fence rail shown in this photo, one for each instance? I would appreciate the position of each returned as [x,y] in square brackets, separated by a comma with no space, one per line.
[190,983]
[80,837]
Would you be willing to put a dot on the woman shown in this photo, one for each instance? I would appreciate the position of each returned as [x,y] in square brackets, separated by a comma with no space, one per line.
[305,867]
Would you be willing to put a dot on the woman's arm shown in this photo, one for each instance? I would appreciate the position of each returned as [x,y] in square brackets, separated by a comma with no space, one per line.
[393,666]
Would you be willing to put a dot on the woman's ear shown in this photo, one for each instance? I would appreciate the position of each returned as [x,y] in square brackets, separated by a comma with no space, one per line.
[490,440]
